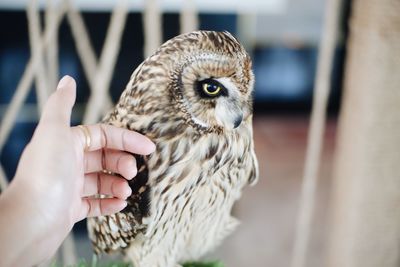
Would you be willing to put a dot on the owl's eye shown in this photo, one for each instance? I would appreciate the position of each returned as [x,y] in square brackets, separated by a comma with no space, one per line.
[211,88]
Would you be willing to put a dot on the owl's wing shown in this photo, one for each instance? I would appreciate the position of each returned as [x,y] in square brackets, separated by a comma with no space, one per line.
[115,232]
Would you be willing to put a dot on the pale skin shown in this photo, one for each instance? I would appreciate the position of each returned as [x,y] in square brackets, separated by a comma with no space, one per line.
[56,178]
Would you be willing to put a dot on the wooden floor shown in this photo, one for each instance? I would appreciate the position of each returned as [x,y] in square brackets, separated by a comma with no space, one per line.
[268,210]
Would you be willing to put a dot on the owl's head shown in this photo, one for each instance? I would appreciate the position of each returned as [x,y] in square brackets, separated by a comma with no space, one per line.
[204,77]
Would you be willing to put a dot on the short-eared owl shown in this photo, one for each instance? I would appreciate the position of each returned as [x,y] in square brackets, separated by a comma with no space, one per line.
[193,98]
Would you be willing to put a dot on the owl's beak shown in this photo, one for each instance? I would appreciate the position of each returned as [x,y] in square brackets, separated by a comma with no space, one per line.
[238,121]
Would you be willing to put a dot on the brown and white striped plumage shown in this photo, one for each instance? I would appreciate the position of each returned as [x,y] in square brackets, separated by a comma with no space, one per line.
[184,192]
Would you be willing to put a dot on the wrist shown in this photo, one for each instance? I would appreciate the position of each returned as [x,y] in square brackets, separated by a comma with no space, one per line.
[22,228]
[16,232]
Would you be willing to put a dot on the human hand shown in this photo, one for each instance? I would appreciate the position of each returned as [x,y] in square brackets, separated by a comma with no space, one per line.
[56,178]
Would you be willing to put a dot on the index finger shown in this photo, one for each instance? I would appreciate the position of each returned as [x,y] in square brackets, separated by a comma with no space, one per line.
[108,136]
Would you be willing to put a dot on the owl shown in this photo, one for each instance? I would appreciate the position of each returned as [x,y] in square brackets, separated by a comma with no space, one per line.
[193,98]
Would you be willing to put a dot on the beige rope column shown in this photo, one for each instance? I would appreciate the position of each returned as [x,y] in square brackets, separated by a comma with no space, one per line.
[316,132]
[366,197]
[189,18]
[52,50]
[34,40]
[3,179]
[98,99]
[152,21]
[82,42]
[84,48]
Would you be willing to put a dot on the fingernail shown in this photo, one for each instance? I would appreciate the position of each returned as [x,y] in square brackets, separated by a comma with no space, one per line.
[129,191]
[134,172]
[153,148]
[64,82]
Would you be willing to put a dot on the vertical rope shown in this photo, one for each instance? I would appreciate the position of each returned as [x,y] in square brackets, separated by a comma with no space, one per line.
[84,48]
[82,42]
[152,22]
[3,179]
[34,40]
[315,136]
[98,100]
[247,30]
[189,19]
[52,50]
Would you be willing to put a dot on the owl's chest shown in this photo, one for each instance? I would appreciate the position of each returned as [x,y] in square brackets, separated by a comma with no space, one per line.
[193,190]
[182,166]
[189,180]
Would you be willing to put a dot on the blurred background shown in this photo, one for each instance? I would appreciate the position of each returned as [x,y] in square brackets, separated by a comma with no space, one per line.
[281,36]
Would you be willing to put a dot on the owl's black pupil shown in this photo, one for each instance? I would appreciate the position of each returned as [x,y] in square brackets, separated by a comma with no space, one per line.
[212,88]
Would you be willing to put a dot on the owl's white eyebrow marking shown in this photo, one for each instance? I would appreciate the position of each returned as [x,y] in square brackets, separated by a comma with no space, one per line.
[229,85]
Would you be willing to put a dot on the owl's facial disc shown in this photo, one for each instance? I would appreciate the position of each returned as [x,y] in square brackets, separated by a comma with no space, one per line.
[214,89]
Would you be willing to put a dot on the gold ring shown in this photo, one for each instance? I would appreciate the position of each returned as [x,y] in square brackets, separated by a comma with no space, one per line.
[86,133]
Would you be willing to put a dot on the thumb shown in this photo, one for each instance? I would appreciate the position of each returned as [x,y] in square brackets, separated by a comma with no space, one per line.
[58,107]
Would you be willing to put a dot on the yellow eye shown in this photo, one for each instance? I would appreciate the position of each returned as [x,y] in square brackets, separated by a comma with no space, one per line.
[211,89]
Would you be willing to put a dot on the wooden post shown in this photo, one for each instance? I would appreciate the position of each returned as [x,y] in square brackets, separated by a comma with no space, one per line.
[366,197]
[322,88]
